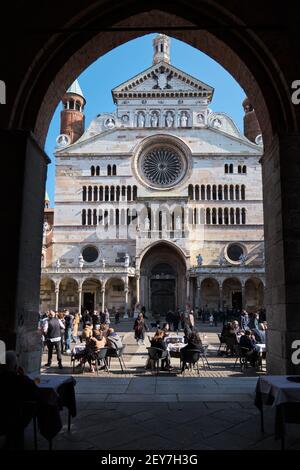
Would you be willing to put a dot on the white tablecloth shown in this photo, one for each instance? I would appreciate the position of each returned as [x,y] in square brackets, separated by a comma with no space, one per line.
[260,347]
[278,387]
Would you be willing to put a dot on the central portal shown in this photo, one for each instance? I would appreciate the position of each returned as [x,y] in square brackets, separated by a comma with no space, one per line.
[163,289]
[163,279]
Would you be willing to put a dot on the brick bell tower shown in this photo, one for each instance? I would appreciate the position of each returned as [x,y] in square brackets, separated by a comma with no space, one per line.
[251,125]
[71,116]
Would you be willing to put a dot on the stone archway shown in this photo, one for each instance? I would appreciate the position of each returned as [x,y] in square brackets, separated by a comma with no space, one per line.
[47,294]
[50,62]
[115,294]
[91,294]
[163,279]
[68,294]
[232,293]
[210,294]
[254,294]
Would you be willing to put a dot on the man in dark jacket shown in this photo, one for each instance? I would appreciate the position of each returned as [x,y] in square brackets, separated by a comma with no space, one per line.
[52,332]
[247,341]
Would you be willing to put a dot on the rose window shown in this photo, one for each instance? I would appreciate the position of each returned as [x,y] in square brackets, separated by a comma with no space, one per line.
[162,166]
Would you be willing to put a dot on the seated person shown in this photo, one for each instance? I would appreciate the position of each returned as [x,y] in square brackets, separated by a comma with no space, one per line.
[248,341]
[104,328]
[158,342]
[229,337]
[166,329]
[87,331]
[93,344]
[16,390]
[194,343]
[113,339]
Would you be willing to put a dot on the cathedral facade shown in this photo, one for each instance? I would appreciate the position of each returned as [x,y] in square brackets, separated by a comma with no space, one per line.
[158,203]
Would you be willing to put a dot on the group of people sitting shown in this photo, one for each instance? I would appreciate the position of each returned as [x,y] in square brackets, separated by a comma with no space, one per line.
[192,341]
[247,334]
[96,338]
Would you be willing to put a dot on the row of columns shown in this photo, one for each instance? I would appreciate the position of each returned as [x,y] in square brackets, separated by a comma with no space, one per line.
[221,193]
[126,292]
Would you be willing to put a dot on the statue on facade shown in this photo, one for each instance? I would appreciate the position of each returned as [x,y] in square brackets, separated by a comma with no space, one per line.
[221,259]
[80,261]
[217,123]
[178,223]
[199,260]
[46,227]
[126,261]
[109,123]
[169,119]
[103,263]
[154,120]
[200,118]
[183,120]
[243,259]
[147,223]
[141,120]
[57,264]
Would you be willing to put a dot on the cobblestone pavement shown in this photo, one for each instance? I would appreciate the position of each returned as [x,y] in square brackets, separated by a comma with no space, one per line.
[137,410]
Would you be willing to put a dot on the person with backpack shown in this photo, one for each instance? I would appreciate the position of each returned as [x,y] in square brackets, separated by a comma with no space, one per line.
[68,320]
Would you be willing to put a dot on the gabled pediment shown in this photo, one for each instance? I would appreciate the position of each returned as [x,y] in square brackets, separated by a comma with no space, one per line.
[162,79]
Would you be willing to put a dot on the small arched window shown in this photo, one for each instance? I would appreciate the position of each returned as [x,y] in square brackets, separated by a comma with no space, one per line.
[231,192]
[243,192]
[89,217]
[84,193]
[237,192]
[226,168]
[243,216]
[90,193]
[83,214]
[191,191]
[202,192]
[95,193]
[214,192]
[114,170]
[226,192]
[244,169]
[208,193]
[112,193]
[231,168]
[95,217]
[232,216]
[118,192]
[71,104]
[239,169]
[77,106]
[92,170]
[108,170]
[220,216]
[134,195]
[197,193]
[101,193]
[226,218]
[214,216]
[220,192]
[128,193]
[238,216]
[106,193]
[98,170]
[208,216]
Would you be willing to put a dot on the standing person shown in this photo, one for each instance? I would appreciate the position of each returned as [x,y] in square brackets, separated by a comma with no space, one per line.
[76,322]
[52,332]
[140,327]
[117,316]
[61,317]
[68,330]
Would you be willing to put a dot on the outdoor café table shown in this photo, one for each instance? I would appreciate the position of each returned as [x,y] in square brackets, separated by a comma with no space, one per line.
[56,392]
[284,395]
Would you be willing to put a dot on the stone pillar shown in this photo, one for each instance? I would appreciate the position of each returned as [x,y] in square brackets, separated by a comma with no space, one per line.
[79,298]
[243,295]
[103,297]
[56,298]
[24,178]
[138,279]
[187,289]
[221,297]
[281,170]
[126,290]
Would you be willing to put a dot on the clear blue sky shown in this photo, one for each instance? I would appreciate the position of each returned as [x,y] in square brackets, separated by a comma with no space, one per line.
[128,60]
